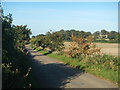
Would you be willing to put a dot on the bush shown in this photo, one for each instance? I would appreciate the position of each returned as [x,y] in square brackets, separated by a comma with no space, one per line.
[82,46]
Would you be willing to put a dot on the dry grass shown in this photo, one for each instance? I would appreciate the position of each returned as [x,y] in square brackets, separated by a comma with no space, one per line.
[107,48]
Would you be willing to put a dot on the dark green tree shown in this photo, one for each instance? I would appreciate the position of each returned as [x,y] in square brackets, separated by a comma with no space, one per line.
[113,35]
[104,32]
[14,61]
[56,42]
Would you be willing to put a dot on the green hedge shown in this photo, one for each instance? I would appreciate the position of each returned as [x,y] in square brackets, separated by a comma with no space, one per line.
[107,41]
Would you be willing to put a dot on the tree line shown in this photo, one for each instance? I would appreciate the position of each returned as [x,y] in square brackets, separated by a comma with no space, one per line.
[111,35]
[99,36]
[53,41]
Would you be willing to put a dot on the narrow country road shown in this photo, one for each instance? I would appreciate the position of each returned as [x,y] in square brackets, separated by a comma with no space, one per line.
[51,73]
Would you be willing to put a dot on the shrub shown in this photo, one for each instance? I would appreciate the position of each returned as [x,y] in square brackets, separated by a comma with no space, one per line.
[82,46]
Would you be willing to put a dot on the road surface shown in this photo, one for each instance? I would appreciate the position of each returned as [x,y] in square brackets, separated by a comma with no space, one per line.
[51,73]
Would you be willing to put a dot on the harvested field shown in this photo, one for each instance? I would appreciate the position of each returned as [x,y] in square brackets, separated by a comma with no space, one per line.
[107,48]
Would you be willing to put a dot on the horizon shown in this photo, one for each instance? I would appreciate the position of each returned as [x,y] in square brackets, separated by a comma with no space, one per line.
[42,17]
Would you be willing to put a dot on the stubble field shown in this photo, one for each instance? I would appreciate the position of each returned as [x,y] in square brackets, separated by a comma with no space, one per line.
[106,48]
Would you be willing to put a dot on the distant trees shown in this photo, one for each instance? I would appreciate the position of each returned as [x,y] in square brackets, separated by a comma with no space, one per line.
[40,40]
[104,32]
[66,34]
[87,34]
[96,34]
[53,41]
[111,36]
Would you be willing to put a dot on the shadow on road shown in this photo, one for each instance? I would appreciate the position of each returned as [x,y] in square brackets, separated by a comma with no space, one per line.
[53,75]
[47,53]
[50,73]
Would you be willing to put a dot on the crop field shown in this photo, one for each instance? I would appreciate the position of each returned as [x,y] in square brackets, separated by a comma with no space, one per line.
[106,48]
[109,48]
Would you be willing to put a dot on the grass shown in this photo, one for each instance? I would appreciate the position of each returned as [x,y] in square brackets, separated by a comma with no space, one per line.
[84,63]
[103,73]
[97,70]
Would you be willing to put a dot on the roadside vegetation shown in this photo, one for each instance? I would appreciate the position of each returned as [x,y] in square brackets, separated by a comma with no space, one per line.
[82,54]
[16,65]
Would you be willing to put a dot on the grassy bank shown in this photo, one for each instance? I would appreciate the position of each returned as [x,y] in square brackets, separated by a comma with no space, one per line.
[96,65]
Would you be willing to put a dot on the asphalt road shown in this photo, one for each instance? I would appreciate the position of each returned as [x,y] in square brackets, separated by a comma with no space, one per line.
[51,73]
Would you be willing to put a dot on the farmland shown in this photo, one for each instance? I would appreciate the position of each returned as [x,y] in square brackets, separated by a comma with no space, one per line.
[109,48]
[106,48]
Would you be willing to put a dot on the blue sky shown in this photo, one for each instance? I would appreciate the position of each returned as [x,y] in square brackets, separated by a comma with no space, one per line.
[42,17]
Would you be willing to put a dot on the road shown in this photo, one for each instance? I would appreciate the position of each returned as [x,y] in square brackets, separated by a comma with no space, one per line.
[51,73]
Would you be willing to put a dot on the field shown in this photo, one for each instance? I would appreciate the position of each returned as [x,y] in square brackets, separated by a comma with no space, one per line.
[107,48]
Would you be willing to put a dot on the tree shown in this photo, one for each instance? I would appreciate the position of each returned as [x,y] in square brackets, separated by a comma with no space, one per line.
[87,34]
[104,32]
[96,34]
[43,41]
[56,42]
[113,35]
[14,60]
[22,35]
[53,41]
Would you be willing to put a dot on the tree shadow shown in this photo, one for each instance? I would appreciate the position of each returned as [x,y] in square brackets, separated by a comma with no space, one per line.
[40,50]
[37,55]
[49,52]
[54,75]
[33,51]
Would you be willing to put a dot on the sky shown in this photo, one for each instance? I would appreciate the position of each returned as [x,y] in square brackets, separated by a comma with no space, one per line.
[42,17]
